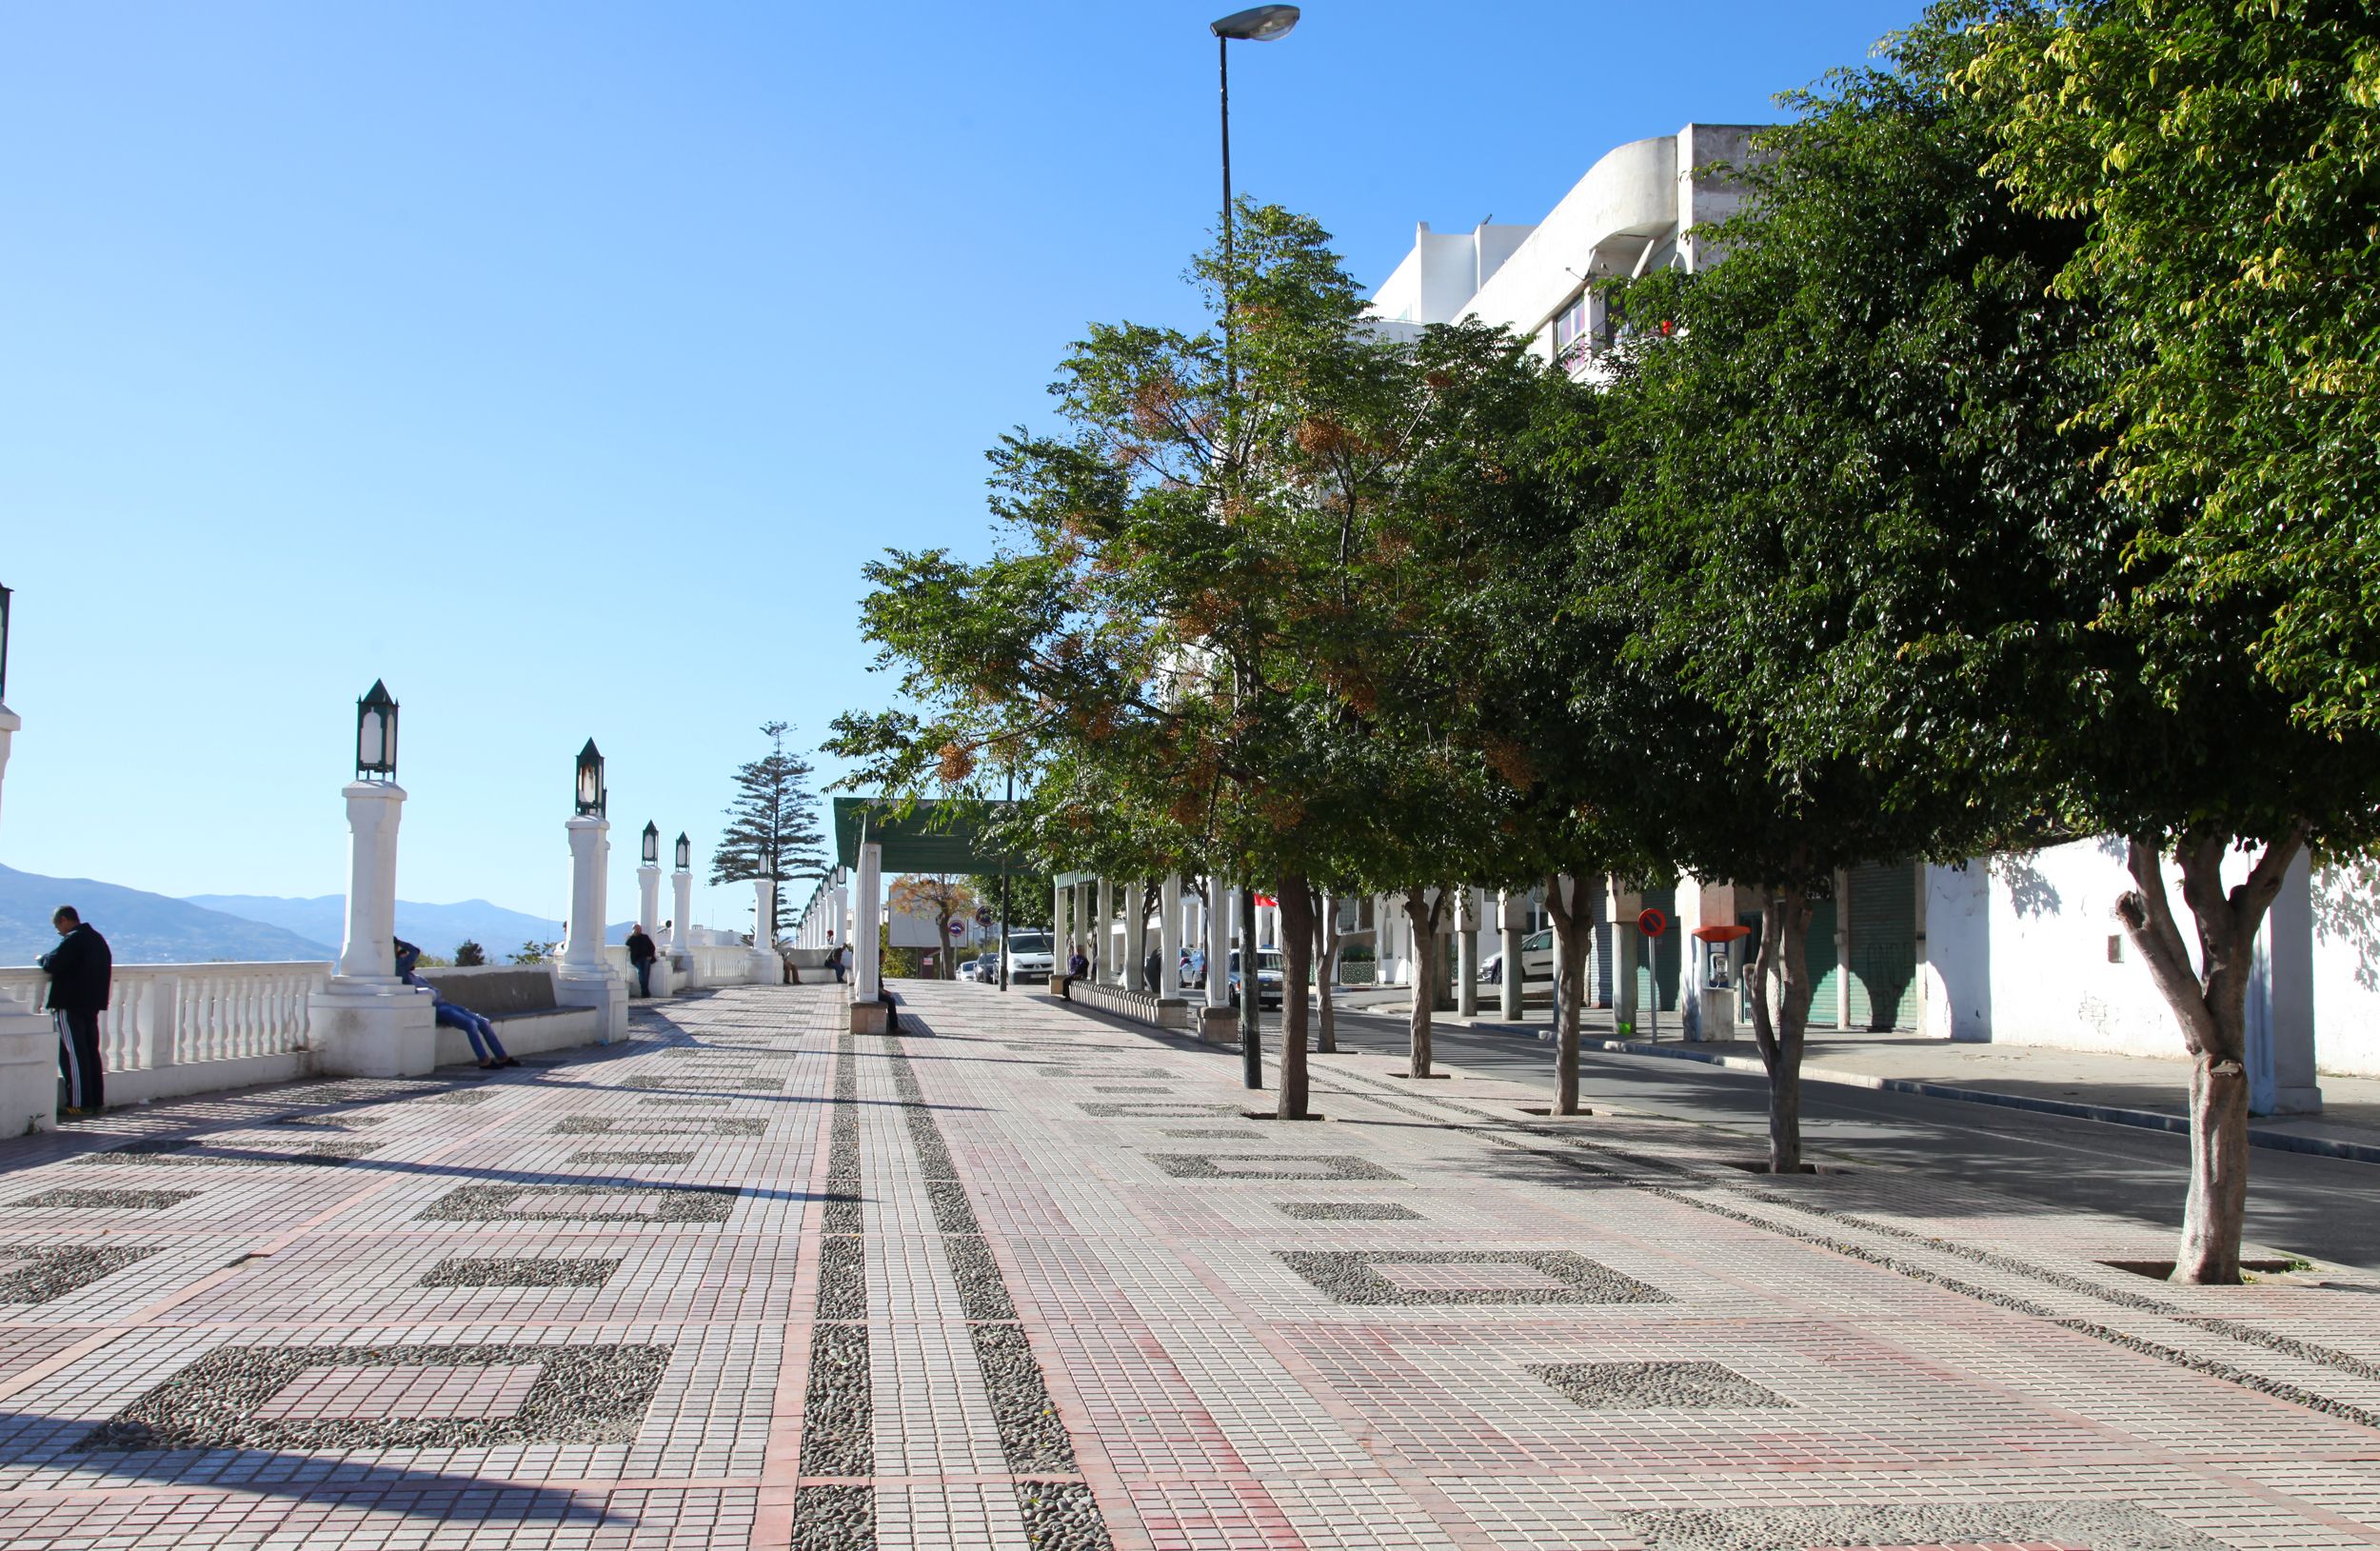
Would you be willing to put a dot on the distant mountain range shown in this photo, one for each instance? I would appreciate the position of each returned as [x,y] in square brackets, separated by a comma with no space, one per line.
[437,928]
[140,927]
[153,928]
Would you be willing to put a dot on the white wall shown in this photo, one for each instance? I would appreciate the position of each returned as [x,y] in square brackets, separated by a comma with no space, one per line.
[2017,954]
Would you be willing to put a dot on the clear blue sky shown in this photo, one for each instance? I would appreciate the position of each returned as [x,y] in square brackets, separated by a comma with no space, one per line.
[562,363]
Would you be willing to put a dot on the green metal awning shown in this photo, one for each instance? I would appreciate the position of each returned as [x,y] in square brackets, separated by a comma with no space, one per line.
[923,836]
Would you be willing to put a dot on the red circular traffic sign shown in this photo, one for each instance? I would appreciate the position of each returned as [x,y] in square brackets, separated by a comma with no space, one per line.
[1652,922]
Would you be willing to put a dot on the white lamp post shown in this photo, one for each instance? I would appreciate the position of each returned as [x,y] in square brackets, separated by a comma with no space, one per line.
[367,1022]
[681,887]
[583,979]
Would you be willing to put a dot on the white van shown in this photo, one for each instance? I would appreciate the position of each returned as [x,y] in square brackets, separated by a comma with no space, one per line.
[1029,956]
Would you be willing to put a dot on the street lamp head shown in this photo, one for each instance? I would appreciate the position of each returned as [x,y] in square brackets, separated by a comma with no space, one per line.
[376,735]
[591,796]
[652,845]
[1258,23]
[686,853]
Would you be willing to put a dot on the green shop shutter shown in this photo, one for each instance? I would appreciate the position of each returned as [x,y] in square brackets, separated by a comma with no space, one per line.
[1884,945]
[1824,971]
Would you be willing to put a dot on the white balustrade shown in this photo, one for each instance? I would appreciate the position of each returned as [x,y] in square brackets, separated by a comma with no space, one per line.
[181,1014]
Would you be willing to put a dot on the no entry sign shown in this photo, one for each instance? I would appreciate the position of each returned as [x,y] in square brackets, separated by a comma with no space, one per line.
[1652,922]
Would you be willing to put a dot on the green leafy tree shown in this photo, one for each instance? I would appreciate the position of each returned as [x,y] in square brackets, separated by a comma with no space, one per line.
[534,952]
[2222,153]
[1857,543]
[772,828]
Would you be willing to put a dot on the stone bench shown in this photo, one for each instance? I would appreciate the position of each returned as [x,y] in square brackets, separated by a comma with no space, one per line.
[1161,1012]
[518,999]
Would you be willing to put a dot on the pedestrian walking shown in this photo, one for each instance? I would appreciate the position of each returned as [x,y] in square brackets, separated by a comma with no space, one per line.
[642,953]
[80,970]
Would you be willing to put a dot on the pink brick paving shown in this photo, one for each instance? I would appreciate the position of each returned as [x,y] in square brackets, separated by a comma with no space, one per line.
[1956,1368]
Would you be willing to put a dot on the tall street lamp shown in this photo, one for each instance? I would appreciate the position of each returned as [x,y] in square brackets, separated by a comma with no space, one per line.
[1259,23]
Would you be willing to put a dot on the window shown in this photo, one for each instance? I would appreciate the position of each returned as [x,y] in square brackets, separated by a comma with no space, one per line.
[1570,324]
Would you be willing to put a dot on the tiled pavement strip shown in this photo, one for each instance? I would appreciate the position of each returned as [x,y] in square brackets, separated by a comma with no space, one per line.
[750,1280]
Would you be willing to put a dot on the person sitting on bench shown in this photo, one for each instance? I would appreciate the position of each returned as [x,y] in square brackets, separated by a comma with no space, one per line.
[477,1029]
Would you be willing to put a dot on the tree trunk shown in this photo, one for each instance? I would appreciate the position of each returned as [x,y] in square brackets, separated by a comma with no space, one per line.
[1297,937]
[1573,926]
[2211,1004]
[1326,976]
[1251,998]
[1784,958]
[1421,913]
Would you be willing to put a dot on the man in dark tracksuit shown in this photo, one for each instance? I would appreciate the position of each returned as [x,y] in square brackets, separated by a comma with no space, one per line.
[80,967]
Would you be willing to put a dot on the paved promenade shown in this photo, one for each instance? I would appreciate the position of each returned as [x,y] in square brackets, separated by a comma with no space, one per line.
[1025,1277]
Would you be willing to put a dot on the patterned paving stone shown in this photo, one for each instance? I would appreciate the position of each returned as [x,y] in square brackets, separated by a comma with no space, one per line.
[392,1397]
[925,1292]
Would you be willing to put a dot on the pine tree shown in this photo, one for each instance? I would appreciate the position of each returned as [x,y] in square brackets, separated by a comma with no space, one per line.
[772,825]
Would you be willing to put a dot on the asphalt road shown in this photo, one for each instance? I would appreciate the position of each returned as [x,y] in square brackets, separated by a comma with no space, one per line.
[2324,1208]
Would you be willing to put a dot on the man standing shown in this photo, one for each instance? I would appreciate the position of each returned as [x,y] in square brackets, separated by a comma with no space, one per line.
[80,969]
[642,953]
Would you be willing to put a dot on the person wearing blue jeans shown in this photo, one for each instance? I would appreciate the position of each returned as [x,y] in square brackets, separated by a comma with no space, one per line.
[476,1028]
[834,961]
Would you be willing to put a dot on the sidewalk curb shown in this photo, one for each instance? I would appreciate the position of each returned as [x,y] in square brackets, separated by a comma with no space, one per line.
[2146,1119]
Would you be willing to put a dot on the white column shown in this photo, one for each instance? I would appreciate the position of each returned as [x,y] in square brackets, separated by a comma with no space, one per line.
[10,725]
[29,1043]
[681,892]
[2280,1031]
[648,897]
[1512,908]
[1466,953]
[366,1023]
[1218,917]
[1169,936]
[1103,934]
[370,952]
[867,979]
[584,978]
[1842,949]
[1625,907]
[767,969]
[1135,933]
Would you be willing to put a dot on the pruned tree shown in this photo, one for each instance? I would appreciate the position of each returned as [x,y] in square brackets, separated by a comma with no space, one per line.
[772,825]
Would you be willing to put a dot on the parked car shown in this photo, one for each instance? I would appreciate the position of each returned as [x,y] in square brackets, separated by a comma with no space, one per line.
[1029,957]
[1536,960]
[982,968]
[1270,968]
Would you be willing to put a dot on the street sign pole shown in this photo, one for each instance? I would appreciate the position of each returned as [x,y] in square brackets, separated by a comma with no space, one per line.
[1651,923]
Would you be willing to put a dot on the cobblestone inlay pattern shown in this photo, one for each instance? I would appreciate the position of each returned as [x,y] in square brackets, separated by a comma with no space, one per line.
[692,1126]
[1350,1211]
[189,1151]
[50,1271]
[630,1158]
[1267,1166]
[1645,1173]
[697,1085]
[1353,1276]
[521,1271]
[2101,1525]
[1059,1514]
[582,1395]
[106,1200]
[838,1410]
[663,1204]
[1656,1386]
